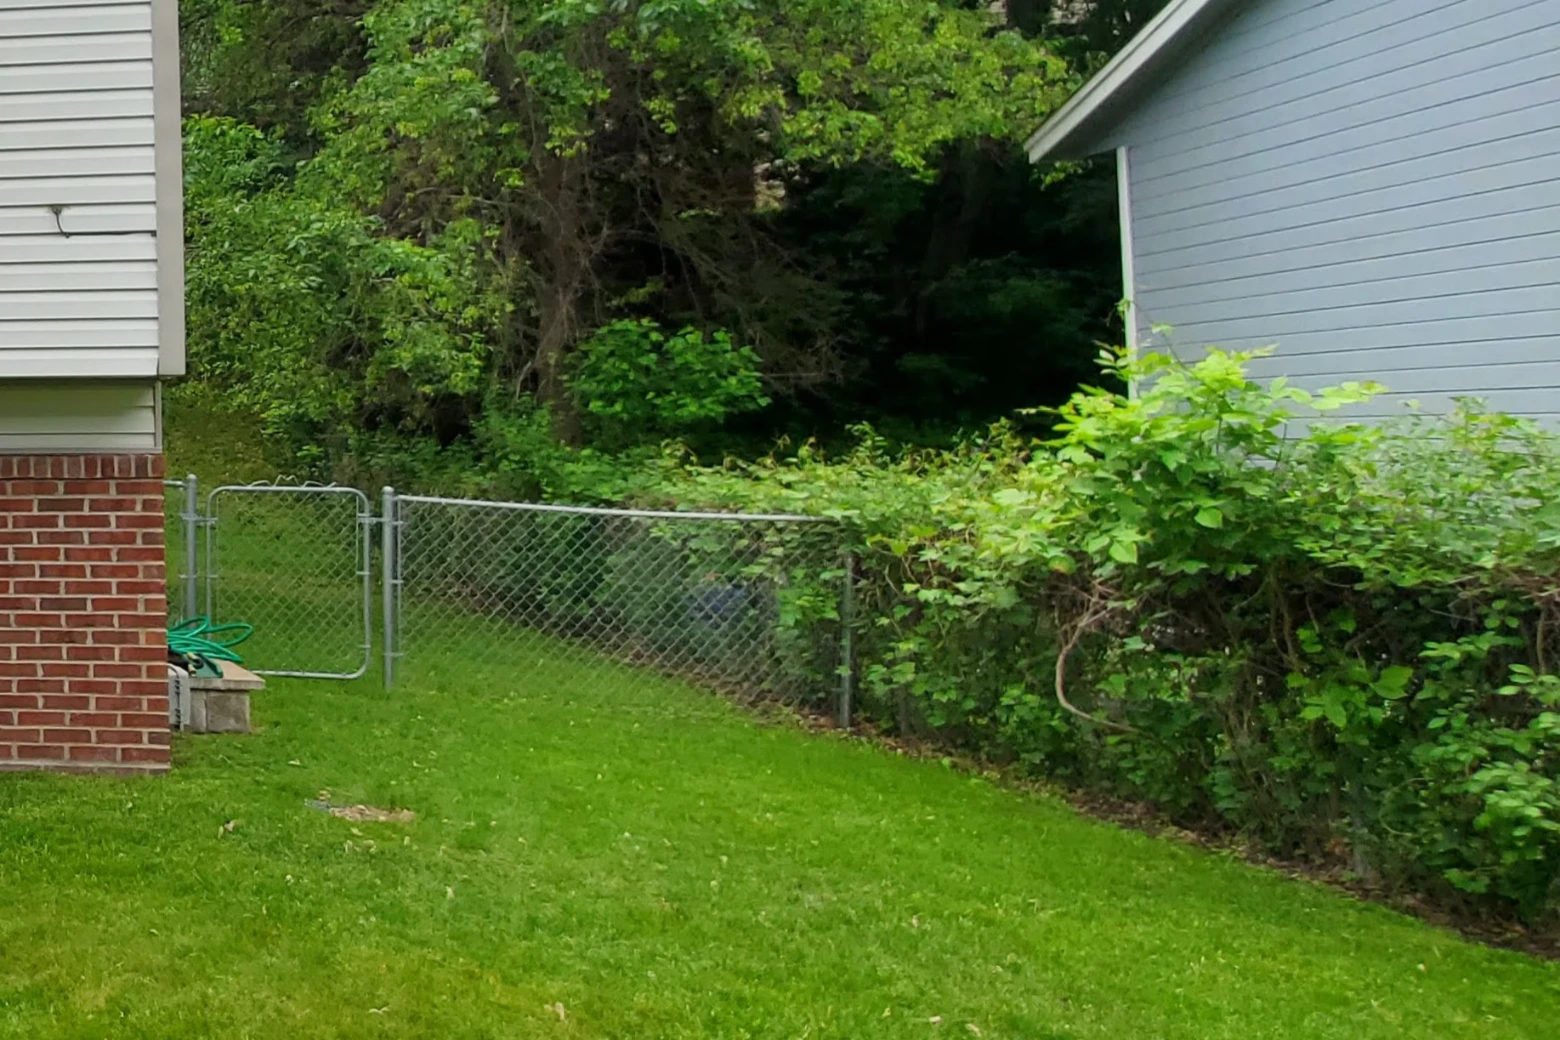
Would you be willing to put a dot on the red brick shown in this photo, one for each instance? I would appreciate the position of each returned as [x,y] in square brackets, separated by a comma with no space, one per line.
[80,753]
[144,720]
[82,612]
[79,521]
[62,570]
[118,736]
[98,719]
[124,520]
[157,653]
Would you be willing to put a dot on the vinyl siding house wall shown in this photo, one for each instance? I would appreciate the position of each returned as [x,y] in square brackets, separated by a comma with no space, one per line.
[91,317]
[1370,186]
[91,235]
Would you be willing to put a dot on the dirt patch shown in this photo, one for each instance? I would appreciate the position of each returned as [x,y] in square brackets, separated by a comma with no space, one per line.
[363,813]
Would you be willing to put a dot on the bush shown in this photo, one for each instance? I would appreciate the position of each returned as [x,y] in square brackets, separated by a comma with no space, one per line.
[1337,640]
[640,384]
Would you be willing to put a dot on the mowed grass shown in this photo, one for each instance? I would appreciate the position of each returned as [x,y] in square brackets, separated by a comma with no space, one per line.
[601,858]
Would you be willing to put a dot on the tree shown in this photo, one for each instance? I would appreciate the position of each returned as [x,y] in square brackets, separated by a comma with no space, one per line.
[469,188]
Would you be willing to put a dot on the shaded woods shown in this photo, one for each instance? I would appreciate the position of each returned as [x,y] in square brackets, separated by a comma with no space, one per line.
[413,222]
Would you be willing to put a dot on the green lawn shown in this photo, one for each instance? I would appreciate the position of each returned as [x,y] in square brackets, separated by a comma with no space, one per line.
[662,865]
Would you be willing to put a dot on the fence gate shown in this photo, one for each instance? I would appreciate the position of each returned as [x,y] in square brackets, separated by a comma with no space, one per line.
[293,561]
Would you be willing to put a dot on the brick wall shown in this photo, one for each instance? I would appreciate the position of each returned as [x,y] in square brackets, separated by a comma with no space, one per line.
[83,613]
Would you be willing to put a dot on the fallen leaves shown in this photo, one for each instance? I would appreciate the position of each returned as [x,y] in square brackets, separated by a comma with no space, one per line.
[362,813]
[371,814]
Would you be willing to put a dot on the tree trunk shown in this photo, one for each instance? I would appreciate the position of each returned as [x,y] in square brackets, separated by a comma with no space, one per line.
[565,261]
[555,339]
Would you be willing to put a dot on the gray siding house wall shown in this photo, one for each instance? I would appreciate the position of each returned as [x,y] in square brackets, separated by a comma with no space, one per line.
[1370,186]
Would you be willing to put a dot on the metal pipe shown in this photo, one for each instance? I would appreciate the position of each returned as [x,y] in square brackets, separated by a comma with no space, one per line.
[191,550]
[388,520]
[365,533]
[644,514]
[848,641]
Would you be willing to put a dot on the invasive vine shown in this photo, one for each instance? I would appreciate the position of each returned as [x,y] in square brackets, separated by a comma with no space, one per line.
[1333,638]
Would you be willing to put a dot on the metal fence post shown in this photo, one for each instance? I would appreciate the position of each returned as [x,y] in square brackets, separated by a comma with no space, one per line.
[389,520]
[191,555]
[848,640]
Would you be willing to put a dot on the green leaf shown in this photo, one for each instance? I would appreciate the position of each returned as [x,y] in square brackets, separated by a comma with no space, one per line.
[1393,684]
[1124,552]
[1210,516]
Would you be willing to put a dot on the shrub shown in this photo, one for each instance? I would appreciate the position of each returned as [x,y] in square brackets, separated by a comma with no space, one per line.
[1335,639]
[641,384]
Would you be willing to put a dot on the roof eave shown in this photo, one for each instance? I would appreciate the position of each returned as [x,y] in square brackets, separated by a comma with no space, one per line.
[1066,135]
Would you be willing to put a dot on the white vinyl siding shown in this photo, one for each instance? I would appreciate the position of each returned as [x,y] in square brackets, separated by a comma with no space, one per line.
[1370,186]
[81,172]
[78,416]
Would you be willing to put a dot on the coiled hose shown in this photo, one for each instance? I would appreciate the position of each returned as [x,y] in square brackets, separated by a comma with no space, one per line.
[200,641]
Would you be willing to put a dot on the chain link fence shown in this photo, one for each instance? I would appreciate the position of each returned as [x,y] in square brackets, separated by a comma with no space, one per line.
[757,607]
[752,606]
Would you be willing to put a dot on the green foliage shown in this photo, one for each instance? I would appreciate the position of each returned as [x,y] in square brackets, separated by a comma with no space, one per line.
[302,314]
[1335,639]
[643,384]
[404,211]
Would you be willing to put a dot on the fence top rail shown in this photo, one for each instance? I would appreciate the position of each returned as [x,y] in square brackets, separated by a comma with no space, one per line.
[643,514]
[309,488]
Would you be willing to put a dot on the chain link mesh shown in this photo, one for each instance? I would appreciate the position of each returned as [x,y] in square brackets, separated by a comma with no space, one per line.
[292,562]
[747,606]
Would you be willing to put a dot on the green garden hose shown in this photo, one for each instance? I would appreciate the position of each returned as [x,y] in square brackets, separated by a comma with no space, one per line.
[199,638]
